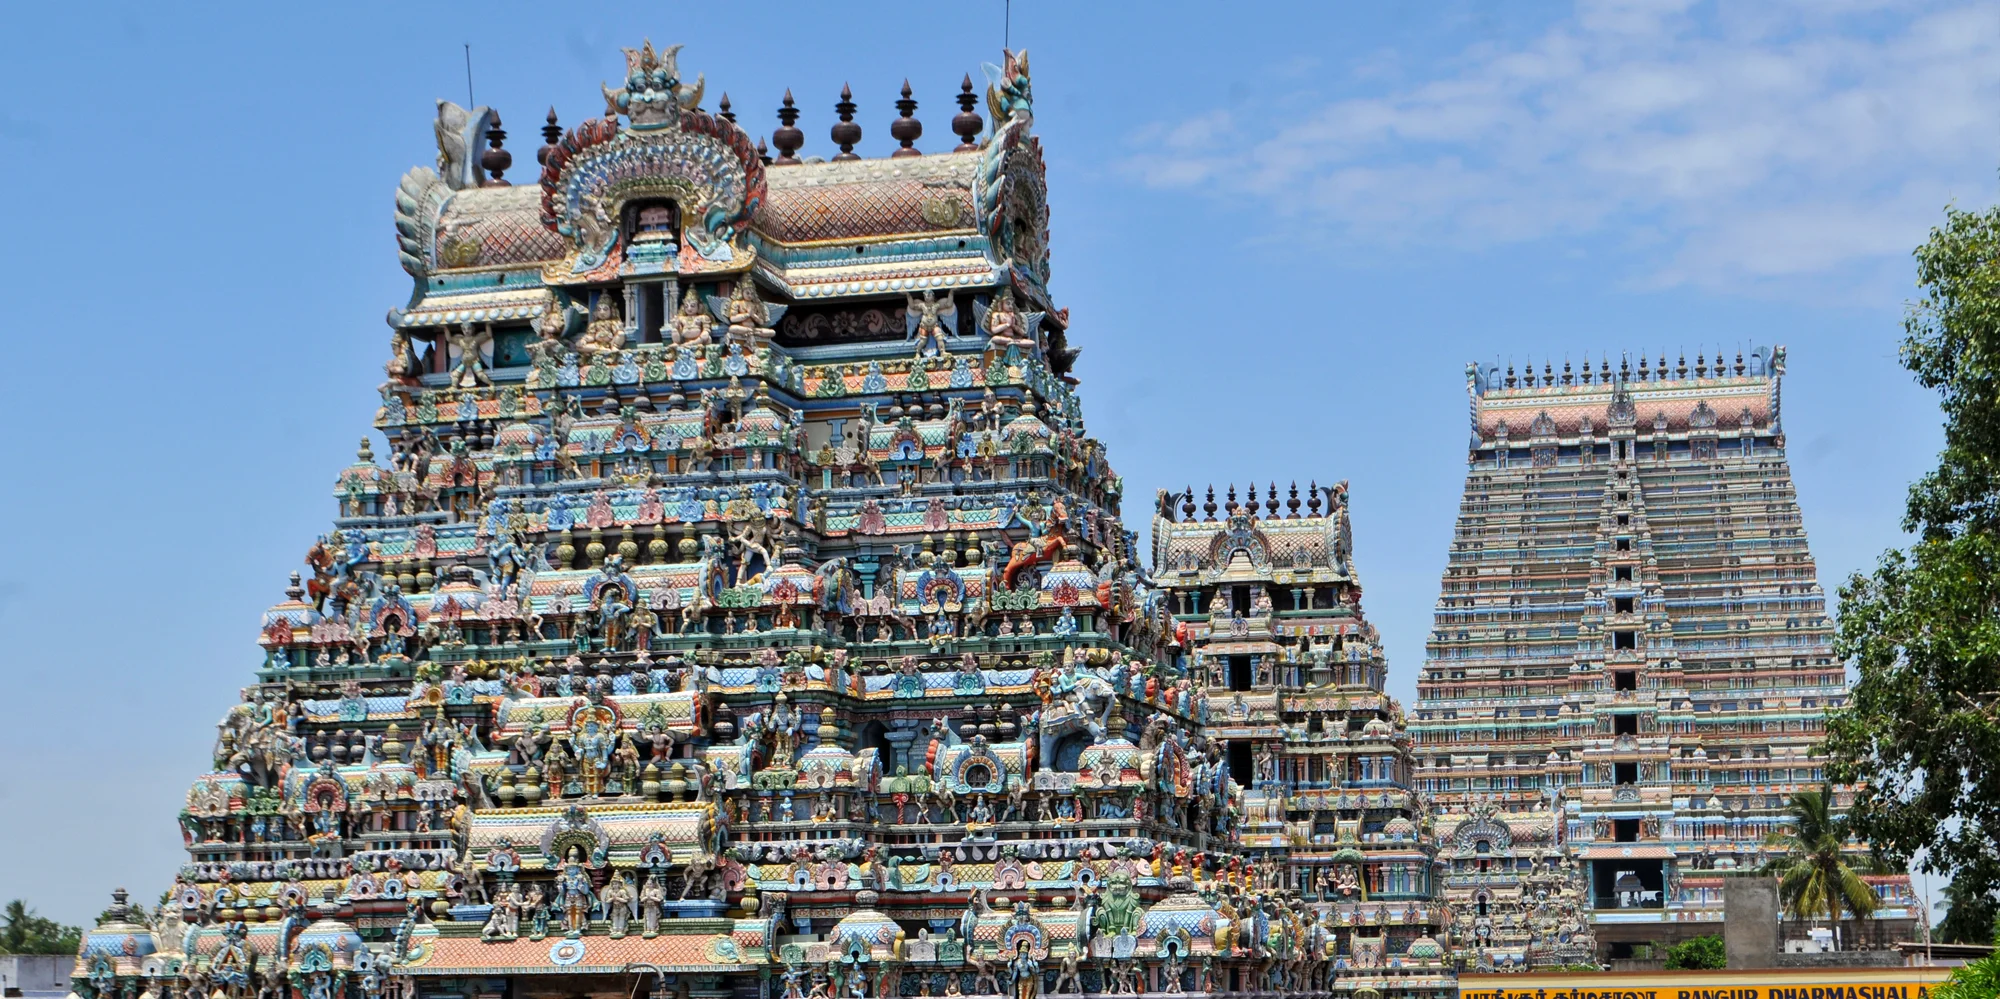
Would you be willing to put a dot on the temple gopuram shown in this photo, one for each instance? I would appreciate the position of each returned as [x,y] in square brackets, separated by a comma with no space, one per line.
[1268,606]
[1631,660]
[738,609]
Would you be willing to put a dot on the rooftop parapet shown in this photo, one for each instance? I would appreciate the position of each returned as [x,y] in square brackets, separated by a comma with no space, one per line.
[1723,394]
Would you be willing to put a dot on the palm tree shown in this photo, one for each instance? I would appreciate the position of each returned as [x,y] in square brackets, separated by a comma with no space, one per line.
[1814,876]
[23,932]
[14,935]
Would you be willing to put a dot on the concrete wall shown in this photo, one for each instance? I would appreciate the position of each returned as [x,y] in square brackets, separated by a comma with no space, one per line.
[1750,922]
[1843,959]
[28,974]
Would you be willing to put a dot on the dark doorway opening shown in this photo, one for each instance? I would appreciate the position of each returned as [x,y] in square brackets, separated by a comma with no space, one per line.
[1240,762]
[1626,884]
[1239,672]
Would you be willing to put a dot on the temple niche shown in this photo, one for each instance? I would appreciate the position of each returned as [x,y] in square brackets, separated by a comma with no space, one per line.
[719,614]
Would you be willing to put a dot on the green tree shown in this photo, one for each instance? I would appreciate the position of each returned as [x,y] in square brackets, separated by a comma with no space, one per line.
[1921,732]
[1814,875]
[1697,953]
[1969,915]
[24,932]
[1976,980]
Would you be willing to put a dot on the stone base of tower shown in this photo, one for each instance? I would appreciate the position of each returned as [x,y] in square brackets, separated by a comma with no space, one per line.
[1632,946]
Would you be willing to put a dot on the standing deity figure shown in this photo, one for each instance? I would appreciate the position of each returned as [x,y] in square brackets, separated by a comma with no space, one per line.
[626,760]
[437,740]
[471,369]
[693,326]
[605,333]
[1025,971]
[538,912]
[652,898]
[555,768]
[618,904]
[510,903]
[573,892]
[784,728]
[593,756]
[613,611]
[925,319]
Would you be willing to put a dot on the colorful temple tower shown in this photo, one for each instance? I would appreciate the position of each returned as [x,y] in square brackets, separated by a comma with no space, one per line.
[1631,660]
[743,612]
[1268,607]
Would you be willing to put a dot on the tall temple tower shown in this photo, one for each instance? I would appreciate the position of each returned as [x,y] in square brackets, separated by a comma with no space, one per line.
[1631,661]
[1268,605]
[743,612]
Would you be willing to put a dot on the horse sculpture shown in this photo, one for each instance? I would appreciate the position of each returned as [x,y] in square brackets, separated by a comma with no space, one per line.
[837,594]
[254,747]
[1026,554]
[1082,704]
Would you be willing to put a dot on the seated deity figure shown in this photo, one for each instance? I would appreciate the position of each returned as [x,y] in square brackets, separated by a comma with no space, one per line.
[1004,324]
[693,325]
[605,333]
[749,319]
[401,366]
[549,346]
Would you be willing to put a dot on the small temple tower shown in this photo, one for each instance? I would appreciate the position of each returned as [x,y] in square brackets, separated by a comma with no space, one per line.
[1267,607]
[1631,660]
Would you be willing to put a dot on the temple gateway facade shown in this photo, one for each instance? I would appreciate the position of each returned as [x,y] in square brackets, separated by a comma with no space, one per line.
[739,609]
[1631,662]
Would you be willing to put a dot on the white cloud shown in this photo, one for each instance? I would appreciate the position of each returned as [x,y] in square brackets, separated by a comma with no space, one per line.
[1722,146]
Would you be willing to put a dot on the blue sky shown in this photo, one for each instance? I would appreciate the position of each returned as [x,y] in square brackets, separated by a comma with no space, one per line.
[1281,229]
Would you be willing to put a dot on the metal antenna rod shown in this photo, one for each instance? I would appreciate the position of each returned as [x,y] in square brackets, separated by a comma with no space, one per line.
[1007,27]
[469,103]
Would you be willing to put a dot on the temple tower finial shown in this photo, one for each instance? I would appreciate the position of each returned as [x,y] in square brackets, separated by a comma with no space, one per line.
[845,132]
[788,138]
[906,129]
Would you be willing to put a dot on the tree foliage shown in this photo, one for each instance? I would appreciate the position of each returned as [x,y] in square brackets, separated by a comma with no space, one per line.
[1976,980]
[1815,877]
[23,932]
[1921,734]
[1697,954]
[1970,914]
